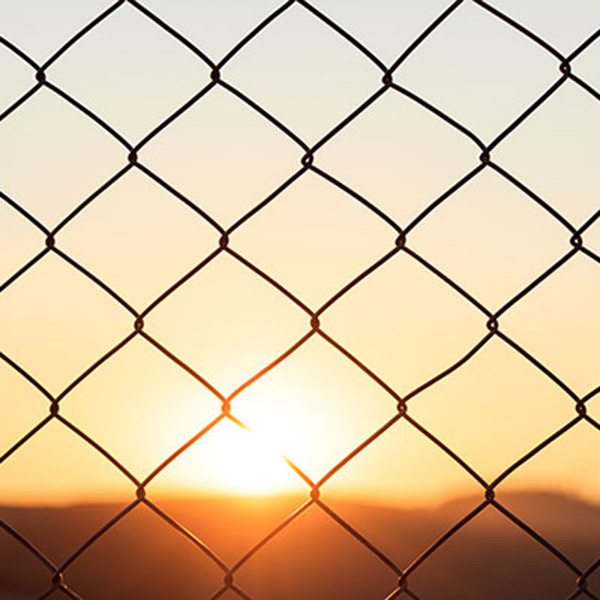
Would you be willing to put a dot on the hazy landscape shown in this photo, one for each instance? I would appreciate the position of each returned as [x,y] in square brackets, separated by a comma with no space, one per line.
[142,557]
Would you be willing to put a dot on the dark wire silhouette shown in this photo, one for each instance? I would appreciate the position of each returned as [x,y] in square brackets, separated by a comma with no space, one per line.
[58,573]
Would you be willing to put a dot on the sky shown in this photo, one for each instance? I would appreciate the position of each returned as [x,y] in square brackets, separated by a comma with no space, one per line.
[402,321]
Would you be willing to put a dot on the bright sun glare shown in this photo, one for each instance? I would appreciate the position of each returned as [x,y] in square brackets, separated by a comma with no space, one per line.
[249,462]
[231,459]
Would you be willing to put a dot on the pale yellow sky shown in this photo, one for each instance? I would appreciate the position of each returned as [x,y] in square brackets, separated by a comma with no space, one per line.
[403,322]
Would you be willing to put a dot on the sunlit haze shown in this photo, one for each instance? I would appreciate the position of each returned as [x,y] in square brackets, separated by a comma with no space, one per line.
[227,324]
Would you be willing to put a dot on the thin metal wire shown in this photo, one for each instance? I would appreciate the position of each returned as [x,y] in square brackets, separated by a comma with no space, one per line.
[217,71]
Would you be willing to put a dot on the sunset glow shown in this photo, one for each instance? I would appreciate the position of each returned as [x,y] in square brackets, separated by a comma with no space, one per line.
[299,299]
[233,460]
[214,303]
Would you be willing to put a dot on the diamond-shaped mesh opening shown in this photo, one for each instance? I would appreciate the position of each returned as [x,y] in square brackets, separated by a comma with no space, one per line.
[232,157]
[560,518]
[56,465]
[296,406]
[446,71]
[494,389]
[559,318]
[76,323]
[138,238]
[276,71]
[346,238]
[402,532]
[490,553]
[47,142]
[386,155]
[132,60]
[167,564]
[422,475]
[399,508]
[569,522]
[394,318]
[563,170]
[222,346]
[294,561]
[471,236]
[162,404]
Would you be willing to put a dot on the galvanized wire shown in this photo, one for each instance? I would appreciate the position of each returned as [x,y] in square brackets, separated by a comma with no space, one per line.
[491,320]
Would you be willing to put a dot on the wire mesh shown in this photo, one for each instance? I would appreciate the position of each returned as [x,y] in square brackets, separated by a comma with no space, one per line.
[58,574]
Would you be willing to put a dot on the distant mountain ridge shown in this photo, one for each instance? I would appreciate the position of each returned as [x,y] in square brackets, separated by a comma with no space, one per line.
[314,559]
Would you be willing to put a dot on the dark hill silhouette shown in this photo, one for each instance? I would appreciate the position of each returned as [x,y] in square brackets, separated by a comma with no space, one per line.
[143,558]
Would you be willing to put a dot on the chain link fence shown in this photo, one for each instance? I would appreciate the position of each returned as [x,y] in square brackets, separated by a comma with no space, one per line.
[58,574]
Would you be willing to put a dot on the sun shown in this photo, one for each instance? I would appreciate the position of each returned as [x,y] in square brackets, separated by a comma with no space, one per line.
[248,462]
[233,459]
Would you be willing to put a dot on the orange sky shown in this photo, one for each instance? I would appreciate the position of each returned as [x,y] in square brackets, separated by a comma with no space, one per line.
[226,323]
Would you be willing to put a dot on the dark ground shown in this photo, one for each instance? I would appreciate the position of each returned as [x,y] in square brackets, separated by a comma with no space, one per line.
[143,558]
